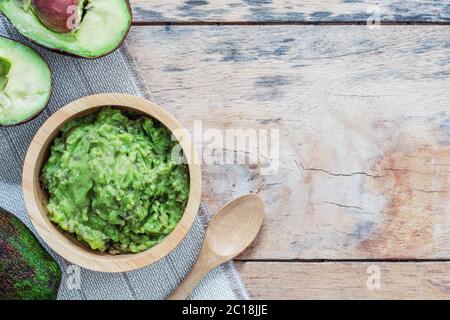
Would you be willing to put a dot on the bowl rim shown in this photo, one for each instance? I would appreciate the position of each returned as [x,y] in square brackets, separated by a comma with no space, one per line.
[57,239]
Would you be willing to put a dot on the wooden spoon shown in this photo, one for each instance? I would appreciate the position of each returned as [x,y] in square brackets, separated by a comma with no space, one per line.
[230,231]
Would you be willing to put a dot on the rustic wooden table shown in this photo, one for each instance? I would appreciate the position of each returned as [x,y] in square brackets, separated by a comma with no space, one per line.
[363,190]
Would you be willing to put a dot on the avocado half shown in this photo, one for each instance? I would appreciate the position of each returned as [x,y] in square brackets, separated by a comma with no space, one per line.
[25,83]
[104,26]
[27,270]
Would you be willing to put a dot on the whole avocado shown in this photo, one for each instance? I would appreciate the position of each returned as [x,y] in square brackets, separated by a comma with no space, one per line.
[27,271]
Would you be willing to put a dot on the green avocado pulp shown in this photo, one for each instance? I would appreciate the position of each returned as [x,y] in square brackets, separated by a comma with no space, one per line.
[113,183]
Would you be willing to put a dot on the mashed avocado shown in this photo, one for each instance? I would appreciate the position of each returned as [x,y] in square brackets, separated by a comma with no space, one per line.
[112,182]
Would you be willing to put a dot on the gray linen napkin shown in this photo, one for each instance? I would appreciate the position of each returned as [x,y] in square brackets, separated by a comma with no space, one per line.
[72,79]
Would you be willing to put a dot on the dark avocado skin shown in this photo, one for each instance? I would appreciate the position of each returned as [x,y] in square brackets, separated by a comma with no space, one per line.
[27,271]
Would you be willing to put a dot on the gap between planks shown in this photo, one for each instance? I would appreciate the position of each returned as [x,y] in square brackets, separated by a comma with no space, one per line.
[305,261]
[287,23]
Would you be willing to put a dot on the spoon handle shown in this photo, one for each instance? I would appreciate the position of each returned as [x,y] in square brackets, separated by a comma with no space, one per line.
[185,288]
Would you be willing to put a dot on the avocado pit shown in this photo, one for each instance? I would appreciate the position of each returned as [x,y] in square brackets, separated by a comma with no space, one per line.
[59,15]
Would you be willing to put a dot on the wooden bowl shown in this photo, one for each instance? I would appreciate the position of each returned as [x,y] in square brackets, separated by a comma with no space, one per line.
[66,244]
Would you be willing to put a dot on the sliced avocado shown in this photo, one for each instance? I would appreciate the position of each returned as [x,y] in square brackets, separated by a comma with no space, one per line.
[27,271]
[25,82]
[5,65]
[104,25]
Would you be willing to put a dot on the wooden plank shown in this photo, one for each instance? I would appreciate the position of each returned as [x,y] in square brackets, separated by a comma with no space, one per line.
[364,123]
[288,10]
[371,280]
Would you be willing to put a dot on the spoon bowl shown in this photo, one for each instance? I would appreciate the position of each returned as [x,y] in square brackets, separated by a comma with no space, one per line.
[235,226]
[230,232]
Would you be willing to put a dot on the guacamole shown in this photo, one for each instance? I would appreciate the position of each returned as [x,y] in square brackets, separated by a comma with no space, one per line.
[113,183]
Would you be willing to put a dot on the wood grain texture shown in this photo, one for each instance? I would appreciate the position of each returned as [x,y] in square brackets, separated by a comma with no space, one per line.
[346,280]
[364,122]
[287,10]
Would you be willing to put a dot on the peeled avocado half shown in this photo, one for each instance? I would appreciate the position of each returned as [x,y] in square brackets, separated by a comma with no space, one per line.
[104,25]
[25,83]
